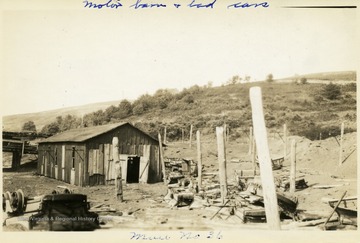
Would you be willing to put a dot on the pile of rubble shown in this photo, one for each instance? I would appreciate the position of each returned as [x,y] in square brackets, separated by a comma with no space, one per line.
[244,199]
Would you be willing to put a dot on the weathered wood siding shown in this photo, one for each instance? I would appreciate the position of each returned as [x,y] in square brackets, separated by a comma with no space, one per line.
[52,154]
[94,164]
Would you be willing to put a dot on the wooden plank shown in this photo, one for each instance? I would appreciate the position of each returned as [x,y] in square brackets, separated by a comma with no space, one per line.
[63,162]
[72,176]
[123,164]
[101,159]
[222,162]
[95,160]
[267,179]
[334,209]
[144,164]
[199,159]
[118,179]
[106,161]
[162,159]
[90,167]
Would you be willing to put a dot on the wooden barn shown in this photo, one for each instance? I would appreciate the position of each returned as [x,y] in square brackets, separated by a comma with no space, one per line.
[84,156]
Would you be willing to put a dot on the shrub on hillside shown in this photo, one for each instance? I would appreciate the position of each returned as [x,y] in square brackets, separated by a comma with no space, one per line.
[313,132]
[349,87]
[331,91]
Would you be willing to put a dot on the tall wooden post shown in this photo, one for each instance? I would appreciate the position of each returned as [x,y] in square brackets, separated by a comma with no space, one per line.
[341,143]
[267,179]
[225,132]
[253,155]
[250,140]
[191,131]
[199,159]
[118,178]
[182,135]
[222,162]
[162,159]
[165,140]
[285,141]
[293,167]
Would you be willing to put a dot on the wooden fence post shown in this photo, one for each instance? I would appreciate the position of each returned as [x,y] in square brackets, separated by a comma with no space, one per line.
[199,158]
[222,162]
[254,155]
[250,140]
[191,131]
[267,179]
[165,139]
[341,143]
[117,167]
[182,135]
[285,141]
[162,158]
[293,167]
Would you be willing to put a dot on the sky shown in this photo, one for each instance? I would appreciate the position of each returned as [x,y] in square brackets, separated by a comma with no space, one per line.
[59,55]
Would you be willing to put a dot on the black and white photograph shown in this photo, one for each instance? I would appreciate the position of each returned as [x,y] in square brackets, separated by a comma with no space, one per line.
[166,120]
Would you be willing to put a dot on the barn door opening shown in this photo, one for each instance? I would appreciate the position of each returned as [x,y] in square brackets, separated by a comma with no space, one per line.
[133,167]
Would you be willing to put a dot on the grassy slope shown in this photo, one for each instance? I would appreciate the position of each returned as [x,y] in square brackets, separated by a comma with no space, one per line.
[15,122]
[330,76]
[283,103]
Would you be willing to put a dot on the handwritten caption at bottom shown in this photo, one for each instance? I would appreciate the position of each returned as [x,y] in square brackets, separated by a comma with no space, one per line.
[182,235]
[197,4]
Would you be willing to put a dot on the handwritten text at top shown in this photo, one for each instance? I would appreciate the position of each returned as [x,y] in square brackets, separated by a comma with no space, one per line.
[143,4]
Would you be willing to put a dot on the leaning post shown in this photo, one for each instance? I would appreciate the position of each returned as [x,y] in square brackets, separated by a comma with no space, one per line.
[267,178]
[222,162]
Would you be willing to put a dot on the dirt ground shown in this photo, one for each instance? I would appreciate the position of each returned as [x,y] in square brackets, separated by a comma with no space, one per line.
[144,206]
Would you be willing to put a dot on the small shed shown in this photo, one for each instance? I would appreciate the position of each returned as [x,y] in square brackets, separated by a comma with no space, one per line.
[84,156]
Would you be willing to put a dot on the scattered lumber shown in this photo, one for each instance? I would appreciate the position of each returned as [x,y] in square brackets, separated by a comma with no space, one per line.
[329,186]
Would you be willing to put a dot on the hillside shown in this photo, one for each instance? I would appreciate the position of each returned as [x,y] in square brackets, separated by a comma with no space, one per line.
[300,106]
[15,122]
[325,77]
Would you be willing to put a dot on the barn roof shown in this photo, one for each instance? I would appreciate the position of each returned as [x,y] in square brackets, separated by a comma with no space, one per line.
[86,133]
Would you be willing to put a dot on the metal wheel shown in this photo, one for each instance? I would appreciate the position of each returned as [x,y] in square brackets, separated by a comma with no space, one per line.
[17,201]
[7,195]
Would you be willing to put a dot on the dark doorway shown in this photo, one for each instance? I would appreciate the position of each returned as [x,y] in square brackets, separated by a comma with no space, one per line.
[133,167]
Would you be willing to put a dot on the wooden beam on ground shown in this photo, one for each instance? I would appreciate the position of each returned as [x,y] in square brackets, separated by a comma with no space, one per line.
[199,158]
[334,209]
[222,162]
[267,178]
